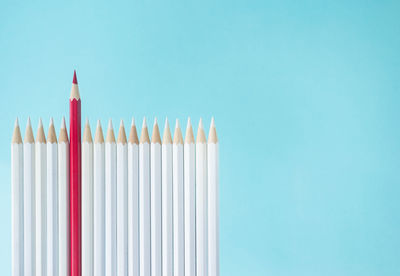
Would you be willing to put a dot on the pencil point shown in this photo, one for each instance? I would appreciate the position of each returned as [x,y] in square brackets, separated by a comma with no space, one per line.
[40,137]
[28,123]
[178,139]
[212,136]
[201,123]
[177,124]
[29,133]
[133,122]
[51,121]
[167,139]
[63,137]
[201,136]
[155,138]
[144,125]
[40,122]
[133,137]
[121,133]
[110,133]
[212,122]
[144,136]
[75,80]
[16,138]
[99,138]
[51,135]
[155,121]
[87,133]
[189,137]
[110,126]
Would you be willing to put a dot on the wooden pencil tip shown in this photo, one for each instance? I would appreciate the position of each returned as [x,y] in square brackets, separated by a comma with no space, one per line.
[201,136]
[121,133]
[167,139]
[110,126]
[16,138]
[144,136]
[75,80]
[110,133]
[29,133]
[87,133]
[63,136]
[189,137]
[51,136]
[144,125]
[40,137]
[201,123]
[133,122]
[155,138]
[28,123]
[212,122]
[212,136]
[99,138]
[133,137]
[177,124]
[178,138]
[155,121]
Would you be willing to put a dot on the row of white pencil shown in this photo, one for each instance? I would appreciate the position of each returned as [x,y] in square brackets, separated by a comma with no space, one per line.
[149,207]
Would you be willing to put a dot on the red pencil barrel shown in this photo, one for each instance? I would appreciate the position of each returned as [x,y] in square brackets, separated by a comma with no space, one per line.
[75,187]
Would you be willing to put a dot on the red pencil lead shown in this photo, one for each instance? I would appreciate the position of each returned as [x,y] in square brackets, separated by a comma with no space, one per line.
[75,80]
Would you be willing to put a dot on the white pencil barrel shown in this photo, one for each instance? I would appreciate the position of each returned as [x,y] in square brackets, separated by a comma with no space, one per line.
[144,208]
[122,209]
[98,210]
[63,197]
[167,224]
[190,208]
[52,209]
[17,208]
[41,210]
[156,262]
[213,210]
[133,209]
[111,209]
[201,209]
[178,212]
[87,208]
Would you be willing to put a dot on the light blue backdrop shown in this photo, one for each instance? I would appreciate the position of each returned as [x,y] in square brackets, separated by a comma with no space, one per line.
[305,94]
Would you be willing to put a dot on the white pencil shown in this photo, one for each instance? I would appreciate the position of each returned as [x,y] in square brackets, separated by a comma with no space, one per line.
[111,204]
[213,203]
[190,199]
[122,202]
[155,178]
[201,201]
[52,201]
[63,200]
[133,202]
[40,183]
[98,203]
[178,202]
[167,228]
[29,202]
[144,201]
[87,201]
[17,199]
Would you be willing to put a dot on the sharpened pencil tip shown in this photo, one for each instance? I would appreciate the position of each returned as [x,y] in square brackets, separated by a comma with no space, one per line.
[177,124]
[212,122]
[98,124]
[16,123]
[40,122]
[16,138]
[166,125]
[51,122]
[144,125]
[87,122]
[75,80]
[133,122]
[28,123]
[155,121]
[121,123]
[201,123]
[110,126]
[63,126]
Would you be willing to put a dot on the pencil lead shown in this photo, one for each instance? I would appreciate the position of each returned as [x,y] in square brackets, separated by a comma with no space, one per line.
[51,135]
[189,137]
[121,133]
[87,133]
[99,138]
[212,122]
[40,137]
[110,133]
[75,80]
[144,137]
[212,136]
[63,136]
[201,136]
[178,139]
[29,133]
[16,138]
[155,138]
[167,139]
[63,123]
[133,137]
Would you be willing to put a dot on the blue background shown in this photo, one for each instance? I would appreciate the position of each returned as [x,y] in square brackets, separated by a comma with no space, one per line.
[306,100]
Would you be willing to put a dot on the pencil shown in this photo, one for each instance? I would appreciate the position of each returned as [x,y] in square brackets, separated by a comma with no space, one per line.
[87,201]
[213,204]
[155,178]
[201,201]
[63,200]
[144,201]
[75,179]
[167,228]
[17,205]
[40,190]
[52,201]
[111,204]
[133,202]
[190,199]
[29,202]
[98,203]
[122,202]
[178,204]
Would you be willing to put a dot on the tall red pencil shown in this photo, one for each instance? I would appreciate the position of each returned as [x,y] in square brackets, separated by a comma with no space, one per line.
[75,179]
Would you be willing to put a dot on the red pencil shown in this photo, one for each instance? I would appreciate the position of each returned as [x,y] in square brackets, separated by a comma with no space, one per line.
[75,178]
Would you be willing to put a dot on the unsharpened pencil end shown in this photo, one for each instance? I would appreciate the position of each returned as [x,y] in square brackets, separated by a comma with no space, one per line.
[29,133]
[40,137]
[212,136]
[144,136]
[87,133]
[121,133]
[167,139]
[63,137]
[16,138]
[189,137]
[51,135]
[201,136]
[110,133]
[156,138]
[99,138]
[178,139]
